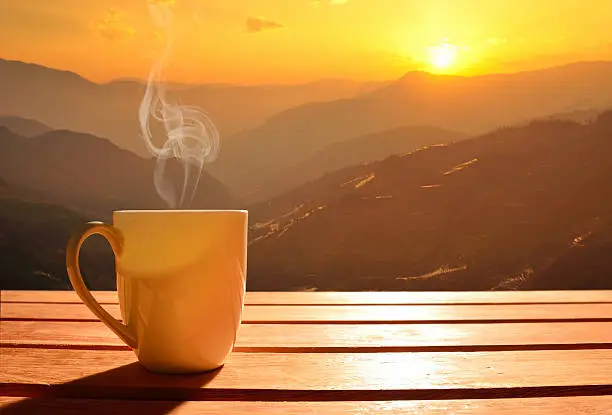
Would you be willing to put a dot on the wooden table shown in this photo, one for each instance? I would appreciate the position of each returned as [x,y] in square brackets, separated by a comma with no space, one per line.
[327,353]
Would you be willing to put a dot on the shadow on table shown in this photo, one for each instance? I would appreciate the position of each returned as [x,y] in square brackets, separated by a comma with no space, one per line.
[127,389]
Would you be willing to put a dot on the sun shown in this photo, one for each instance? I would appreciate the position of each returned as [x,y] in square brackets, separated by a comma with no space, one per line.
[443,57]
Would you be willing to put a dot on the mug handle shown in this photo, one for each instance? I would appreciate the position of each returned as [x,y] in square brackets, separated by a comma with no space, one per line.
[114,238]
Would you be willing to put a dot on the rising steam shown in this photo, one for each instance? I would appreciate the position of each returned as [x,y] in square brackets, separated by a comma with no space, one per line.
[190,135]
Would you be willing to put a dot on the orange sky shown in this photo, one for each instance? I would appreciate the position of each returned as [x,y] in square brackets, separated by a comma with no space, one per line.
[285,41]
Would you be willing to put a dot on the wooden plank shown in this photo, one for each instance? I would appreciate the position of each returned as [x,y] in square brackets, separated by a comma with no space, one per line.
[41,296]
[353,314]
[574,405]
[339,337]
[355,298]
[312,376]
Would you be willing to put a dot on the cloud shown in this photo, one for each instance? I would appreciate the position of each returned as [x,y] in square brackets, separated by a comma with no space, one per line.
[259,24]
[113,25]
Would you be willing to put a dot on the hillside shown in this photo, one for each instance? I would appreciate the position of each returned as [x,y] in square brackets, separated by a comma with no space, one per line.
[365,149]
[516,208]
[251,160]
[24,126]
[66,100]
[91,175]
[33,237]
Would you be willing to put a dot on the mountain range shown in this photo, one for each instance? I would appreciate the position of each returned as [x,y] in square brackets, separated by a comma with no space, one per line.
[24,126]
[251,160]
[517,208]
[360,150]
[33,235]
[65,100]
[268,129]
[425,183]
[91,175]
[55,181]
[524,207]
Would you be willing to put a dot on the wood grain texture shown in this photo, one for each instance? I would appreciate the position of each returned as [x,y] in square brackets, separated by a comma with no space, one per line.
[344,298]
[581,405]
[352,314]
[339,337]
[312,376]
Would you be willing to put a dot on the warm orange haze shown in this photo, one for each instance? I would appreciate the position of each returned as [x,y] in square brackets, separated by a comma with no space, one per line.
[279,41]
[377,145]
[306,207]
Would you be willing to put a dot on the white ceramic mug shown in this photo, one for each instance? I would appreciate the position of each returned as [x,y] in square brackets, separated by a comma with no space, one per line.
[181,277]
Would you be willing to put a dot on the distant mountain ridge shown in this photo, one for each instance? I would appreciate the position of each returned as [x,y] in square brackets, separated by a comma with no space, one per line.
[65,100]
[364,149]
[276,128]
[24,126]
[470,105]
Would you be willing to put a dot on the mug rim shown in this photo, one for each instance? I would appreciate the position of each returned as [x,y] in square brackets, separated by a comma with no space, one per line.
[153,211]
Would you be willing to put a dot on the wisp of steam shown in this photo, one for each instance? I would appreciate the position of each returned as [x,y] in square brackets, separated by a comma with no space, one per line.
[190,137]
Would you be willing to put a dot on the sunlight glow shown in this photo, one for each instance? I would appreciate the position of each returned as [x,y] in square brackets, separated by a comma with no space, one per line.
[444,56]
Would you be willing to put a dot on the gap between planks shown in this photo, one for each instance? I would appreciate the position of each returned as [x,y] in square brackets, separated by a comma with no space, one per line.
[318,377]
[581,405]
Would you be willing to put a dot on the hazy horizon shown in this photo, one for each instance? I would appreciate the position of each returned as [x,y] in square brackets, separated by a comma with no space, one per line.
[311,81]
[304,41]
